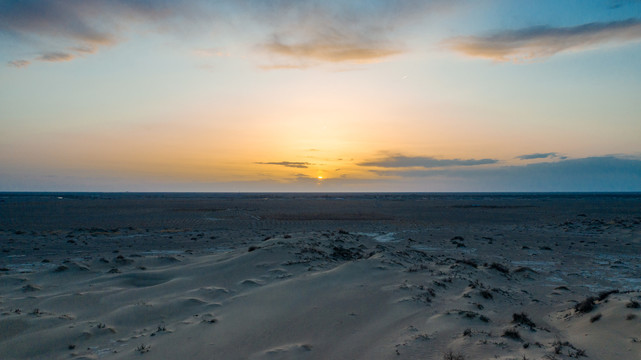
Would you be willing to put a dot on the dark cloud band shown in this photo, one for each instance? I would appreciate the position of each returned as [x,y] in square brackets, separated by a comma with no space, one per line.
[537,156]
[542,41]
[401,161]
[290,164]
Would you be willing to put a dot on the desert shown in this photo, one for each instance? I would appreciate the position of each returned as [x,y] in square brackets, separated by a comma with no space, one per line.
[320,276]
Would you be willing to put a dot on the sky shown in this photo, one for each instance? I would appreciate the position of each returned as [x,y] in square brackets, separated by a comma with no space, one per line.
[320,95]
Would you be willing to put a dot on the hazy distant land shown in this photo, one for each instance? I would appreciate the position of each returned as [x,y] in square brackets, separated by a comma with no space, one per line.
[320,276]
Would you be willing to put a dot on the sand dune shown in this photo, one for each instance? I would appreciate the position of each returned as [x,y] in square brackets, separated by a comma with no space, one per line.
[408,288]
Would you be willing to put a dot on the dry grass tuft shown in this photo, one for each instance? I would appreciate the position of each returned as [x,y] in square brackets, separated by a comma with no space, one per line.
[452,356]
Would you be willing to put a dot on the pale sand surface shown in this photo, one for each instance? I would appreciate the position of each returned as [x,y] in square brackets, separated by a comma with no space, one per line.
[338,276]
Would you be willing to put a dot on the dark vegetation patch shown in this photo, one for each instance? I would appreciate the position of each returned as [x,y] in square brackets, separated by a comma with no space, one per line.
[572,350]
[604,295]
[342,253]
[585,306]
[469,262]
[486,294]
[633,305]
[328,216]
[475,206]
[512,334]
[452,356]
[500,268]
[523,319]
[589,303]
[123,260]
[522,269]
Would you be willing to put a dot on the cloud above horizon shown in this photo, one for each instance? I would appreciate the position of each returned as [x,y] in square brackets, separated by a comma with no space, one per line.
[544,41]
[296,33]
[428,162]
[605,173]
[56,57]
[336,48]
[537,156]
[72,25]
[290,164]
[19,63]
[306,33]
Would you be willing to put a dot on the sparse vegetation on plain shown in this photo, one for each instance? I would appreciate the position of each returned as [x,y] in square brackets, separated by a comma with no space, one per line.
[453,356]
[523,319]
[512,334]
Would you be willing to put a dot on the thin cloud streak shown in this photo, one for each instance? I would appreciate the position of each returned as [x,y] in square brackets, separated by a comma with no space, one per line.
[537,156]
[19,63]
[428,162]
[55,57]
[290,164]
[337,48]
[542,41]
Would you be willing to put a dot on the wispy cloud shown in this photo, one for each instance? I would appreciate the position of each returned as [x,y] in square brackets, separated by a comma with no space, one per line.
[66,19]
[80,26]
[308,33]
[55,57]
[290,164]
[428,162]
[293,33]
[542,41]
[19,63]
[537,156]
[337,47]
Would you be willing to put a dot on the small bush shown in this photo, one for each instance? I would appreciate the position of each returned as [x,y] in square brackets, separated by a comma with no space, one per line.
[596,317]
[633,305]
[142,348]
[604,295]
[523,319]
[469,262]
[486,294]
[500,268]
[452,356]
[512,334]
[585,306]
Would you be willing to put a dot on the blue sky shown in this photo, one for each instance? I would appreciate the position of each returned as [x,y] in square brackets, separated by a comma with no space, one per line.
[320,95]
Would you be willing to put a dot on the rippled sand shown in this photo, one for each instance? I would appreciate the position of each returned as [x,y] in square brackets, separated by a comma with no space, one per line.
[331,276]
